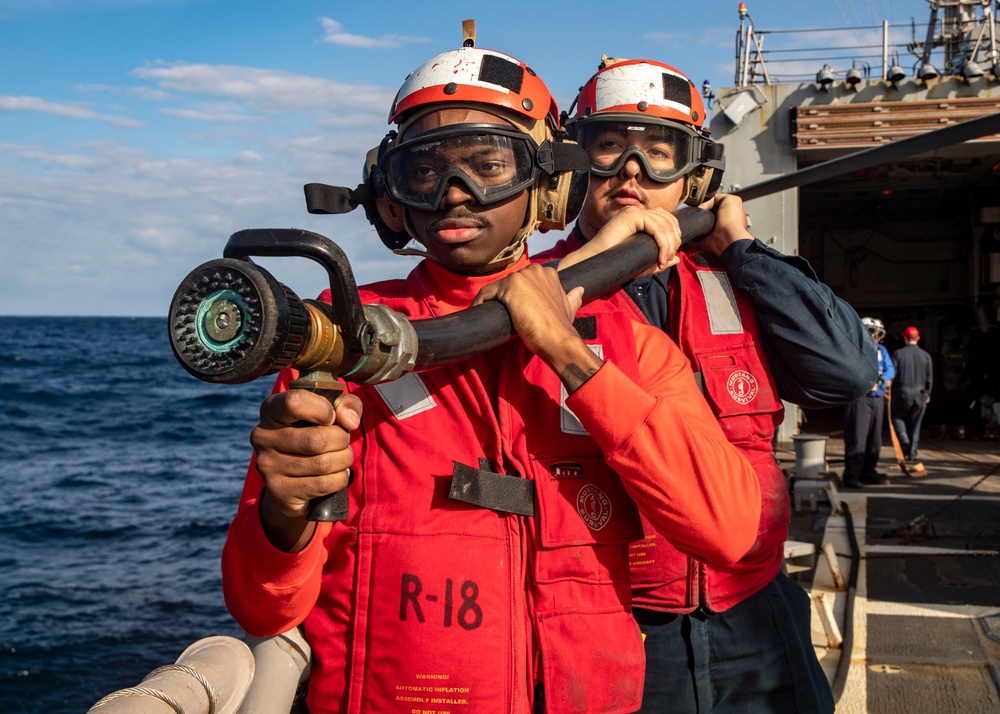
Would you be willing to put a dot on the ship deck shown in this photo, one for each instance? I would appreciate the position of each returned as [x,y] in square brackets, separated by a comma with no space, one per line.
[911,622]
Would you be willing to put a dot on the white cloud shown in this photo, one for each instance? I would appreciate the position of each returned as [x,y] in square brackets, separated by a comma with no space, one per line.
[208,114]
[152,95]
[334,34]
[66,111]
[51,158]
[146,93]
[267,90]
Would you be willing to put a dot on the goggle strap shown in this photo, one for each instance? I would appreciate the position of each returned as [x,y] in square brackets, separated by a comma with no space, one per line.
[553,157]
[712,154]
[323,199]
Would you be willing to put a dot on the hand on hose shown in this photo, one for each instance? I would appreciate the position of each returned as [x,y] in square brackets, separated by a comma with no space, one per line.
[730,223]
[660,224]
[299,463]
[542,314]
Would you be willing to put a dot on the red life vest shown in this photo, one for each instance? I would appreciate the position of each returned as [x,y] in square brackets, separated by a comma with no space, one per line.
[454,607]
[715,326]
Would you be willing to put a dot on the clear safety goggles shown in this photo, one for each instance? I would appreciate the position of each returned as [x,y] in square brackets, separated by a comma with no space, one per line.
[875,327]
[666,150]
[491,161]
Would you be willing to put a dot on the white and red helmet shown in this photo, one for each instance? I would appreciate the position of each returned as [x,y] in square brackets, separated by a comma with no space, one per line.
[508,88]
[652,90]
[628,93]
[475,76]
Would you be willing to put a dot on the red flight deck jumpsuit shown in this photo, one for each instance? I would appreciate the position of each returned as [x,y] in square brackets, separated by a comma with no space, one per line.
[723,346]
[716,327]
[423,603]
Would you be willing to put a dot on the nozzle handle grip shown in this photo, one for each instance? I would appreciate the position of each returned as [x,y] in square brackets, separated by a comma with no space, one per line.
[332,507]
[328,509]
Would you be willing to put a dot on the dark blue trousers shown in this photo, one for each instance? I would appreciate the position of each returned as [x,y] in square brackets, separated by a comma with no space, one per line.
[755,657]
[907,413]
[862,436]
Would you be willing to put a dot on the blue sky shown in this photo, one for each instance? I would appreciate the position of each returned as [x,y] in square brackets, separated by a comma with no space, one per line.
[137,135]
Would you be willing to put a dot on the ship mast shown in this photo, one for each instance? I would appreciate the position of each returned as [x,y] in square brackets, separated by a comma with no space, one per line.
[967,39]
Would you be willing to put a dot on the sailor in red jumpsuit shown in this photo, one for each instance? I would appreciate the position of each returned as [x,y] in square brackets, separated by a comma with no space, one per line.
[516,596]
[756,327]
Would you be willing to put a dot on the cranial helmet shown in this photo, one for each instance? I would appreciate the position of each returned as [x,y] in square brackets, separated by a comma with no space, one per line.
[875,327]
[644,92]
[553,169]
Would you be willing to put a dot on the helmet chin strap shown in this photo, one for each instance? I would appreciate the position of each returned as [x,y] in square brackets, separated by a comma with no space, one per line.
[512,252]
[509,254]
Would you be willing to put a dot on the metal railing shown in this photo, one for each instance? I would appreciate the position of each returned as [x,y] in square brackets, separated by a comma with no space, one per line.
[960,40]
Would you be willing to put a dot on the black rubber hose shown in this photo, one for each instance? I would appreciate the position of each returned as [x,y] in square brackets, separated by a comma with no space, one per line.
[847,645]
[442,340]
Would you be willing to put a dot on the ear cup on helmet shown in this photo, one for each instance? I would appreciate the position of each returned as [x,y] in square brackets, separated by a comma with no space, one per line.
[704,182]
[701,184]
[385,216]
[387,219]
[562,187]
[390,213]
[579,185]
[560,198]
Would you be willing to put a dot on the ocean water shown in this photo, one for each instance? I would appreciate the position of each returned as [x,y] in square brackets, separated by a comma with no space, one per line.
[120,474]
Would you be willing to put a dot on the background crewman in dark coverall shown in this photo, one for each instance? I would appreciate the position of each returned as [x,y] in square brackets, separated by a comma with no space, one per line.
[911,391]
